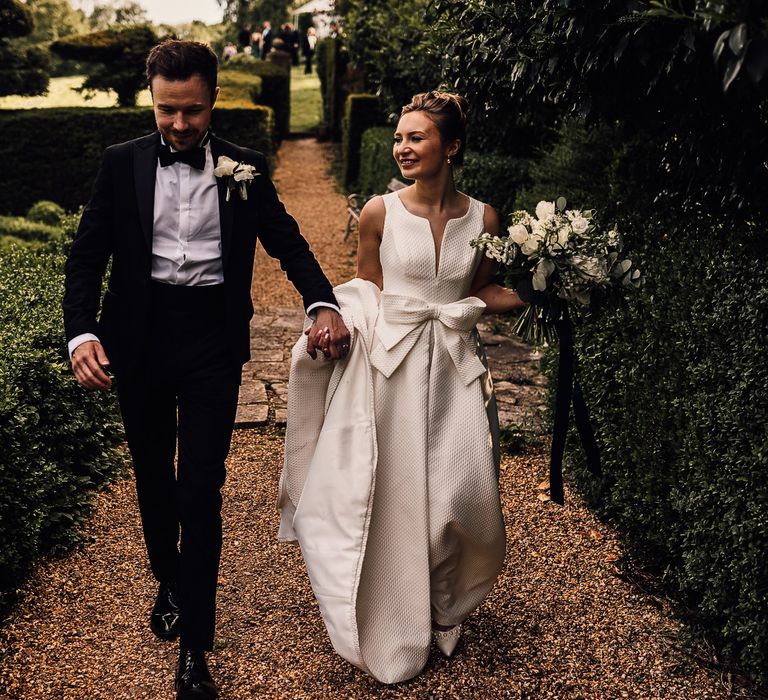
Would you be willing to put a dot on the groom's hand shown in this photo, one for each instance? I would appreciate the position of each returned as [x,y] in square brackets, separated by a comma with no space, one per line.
[88,363]
[328,334]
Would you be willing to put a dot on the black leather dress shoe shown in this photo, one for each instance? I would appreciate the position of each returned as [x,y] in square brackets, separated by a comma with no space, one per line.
[165,620]
[193,680]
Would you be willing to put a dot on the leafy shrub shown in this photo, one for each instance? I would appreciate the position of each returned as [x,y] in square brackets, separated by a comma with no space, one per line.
[361,112]
[238,86]
[377,166]
[46,212]
[59,441]
[119,54]
[32,142]
[23,69]
[275,88]
[388,42]
[335,86]
[493,178]
[674,383]
[27,230]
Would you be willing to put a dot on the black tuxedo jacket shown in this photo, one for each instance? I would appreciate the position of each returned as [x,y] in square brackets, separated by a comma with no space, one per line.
[117,223]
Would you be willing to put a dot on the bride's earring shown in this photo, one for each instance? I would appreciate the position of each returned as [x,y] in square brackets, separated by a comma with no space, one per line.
[449,160]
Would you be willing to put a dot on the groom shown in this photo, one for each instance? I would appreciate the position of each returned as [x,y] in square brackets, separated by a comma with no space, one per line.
[174,326]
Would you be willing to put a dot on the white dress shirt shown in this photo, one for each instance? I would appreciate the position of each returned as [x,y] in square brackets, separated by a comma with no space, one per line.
[186,233]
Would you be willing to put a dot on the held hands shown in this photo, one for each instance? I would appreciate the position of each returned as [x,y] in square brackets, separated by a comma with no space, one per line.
[88,363]
[327,334]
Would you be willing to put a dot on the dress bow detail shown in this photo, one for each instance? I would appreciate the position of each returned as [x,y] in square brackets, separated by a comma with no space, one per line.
[402,319]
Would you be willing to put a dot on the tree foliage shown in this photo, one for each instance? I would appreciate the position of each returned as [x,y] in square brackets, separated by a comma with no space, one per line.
[388,42]
[54,19]
[628,61]
[23,69]
[119,54]
[240,12]
[123,13]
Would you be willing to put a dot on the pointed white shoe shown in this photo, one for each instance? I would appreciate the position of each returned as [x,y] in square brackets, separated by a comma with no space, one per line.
[447,640]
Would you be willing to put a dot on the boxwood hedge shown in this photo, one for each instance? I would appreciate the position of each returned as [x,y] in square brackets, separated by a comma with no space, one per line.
[44,165]
[361,112]
[675,381]
[58,442]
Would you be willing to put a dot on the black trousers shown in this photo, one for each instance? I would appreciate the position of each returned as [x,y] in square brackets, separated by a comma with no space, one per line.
[184,389]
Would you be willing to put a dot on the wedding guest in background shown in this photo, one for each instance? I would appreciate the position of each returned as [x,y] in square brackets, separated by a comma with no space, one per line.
[266,38]
[244,36]
[229,50]
[256,43]
[308,49]
[295,41]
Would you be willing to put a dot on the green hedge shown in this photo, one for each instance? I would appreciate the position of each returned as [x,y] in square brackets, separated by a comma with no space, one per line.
[275,88]
[361,112]
[46,212]
[43,165]
[333,59]
[675,382]
[27,230]
[59,441]
[493,178]
[239,87]
[377,166]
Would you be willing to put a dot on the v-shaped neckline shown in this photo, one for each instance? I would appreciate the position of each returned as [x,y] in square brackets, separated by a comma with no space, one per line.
[437,255]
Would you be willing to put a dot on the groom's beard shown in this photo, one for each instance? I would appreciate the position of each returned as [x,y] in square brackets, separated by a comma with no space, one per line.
[181,141]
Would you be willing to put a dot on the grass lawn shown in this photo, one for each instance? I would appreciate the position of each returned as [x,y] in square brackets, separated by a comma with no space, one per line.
[306,101]
[61,94]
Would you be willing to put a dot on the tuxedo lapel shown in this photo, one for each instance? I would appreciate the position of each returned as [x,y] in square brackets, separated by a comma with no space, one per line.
[226,209]
[144,170]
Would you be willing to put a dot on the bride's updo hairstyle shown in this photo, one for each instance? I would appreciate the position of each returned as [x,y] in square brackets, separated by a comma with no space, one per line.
[449,113]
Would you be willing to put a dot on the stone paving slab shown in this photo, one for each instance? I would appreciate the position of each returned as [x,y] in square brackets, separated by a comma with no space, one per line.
[520,387]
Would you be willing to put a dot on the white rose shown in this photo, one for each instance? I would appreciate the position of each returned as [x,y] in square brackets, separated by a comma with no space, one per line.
[562,235]
[579,225]
[518,233]
[531,244]
[545,210]
[244,173]
[225,167]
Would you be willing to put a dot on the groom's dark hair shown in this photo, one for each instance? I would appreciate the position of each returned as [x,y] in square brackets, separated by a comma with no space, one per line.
[180,60]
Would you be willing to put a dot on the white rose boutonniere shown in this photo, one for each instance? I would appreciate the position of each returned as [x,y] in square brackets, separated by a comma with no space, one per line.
[237,175]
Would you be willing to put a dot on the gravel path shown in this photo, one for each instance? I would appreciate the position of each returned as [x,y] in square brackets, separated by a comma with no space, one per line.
[563,622]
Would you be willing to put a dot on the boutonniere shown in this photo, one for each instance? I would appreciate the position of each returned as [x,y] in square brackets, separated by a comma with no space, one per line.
[237,175]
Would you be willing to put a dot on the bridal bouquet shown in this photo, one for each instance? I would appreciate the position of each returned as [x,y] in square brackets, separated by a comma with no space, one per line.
[559,257]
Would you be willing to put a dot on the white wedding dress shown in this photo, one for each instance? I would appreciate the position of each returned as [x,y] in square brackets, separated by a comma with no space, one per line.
[391,477]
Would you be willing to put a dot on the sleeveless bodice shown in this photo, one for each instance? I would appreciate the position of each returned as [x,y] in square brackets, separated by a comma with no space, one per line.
[407,253]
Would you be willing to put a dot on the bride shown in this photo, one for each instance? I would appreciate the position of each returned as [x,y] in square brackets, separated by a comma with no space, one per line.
[390,482]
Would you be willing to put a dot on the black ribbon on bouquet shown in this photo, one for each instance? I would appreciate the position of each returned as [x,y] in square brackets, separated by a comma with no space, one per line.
[568,393]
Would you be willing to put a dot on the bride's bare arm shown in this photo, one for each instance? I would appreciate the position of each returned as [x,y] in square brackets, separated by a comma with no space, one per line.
[497,299]
[369,240]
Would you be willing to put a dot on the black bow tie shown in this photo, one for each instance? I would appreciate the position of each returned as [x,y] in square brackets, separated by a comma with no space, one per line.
[194,157]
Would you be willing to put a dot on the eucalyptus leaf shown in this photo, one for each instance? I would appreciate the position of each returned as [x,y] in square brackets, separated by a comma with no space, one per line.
[732,71]
[738,38]
[561,203]
[720,45]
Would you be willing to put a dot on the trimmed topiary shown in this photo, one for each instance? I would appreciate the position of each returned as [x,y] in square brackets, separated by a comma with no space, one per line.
[361,112]
[46,212]
[33,137]
[275,88]
[120,55]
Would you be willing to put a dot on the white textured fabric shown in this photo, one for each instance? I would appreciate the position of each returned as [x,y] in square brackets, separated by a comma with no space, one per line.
[427,543]
[186,239]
